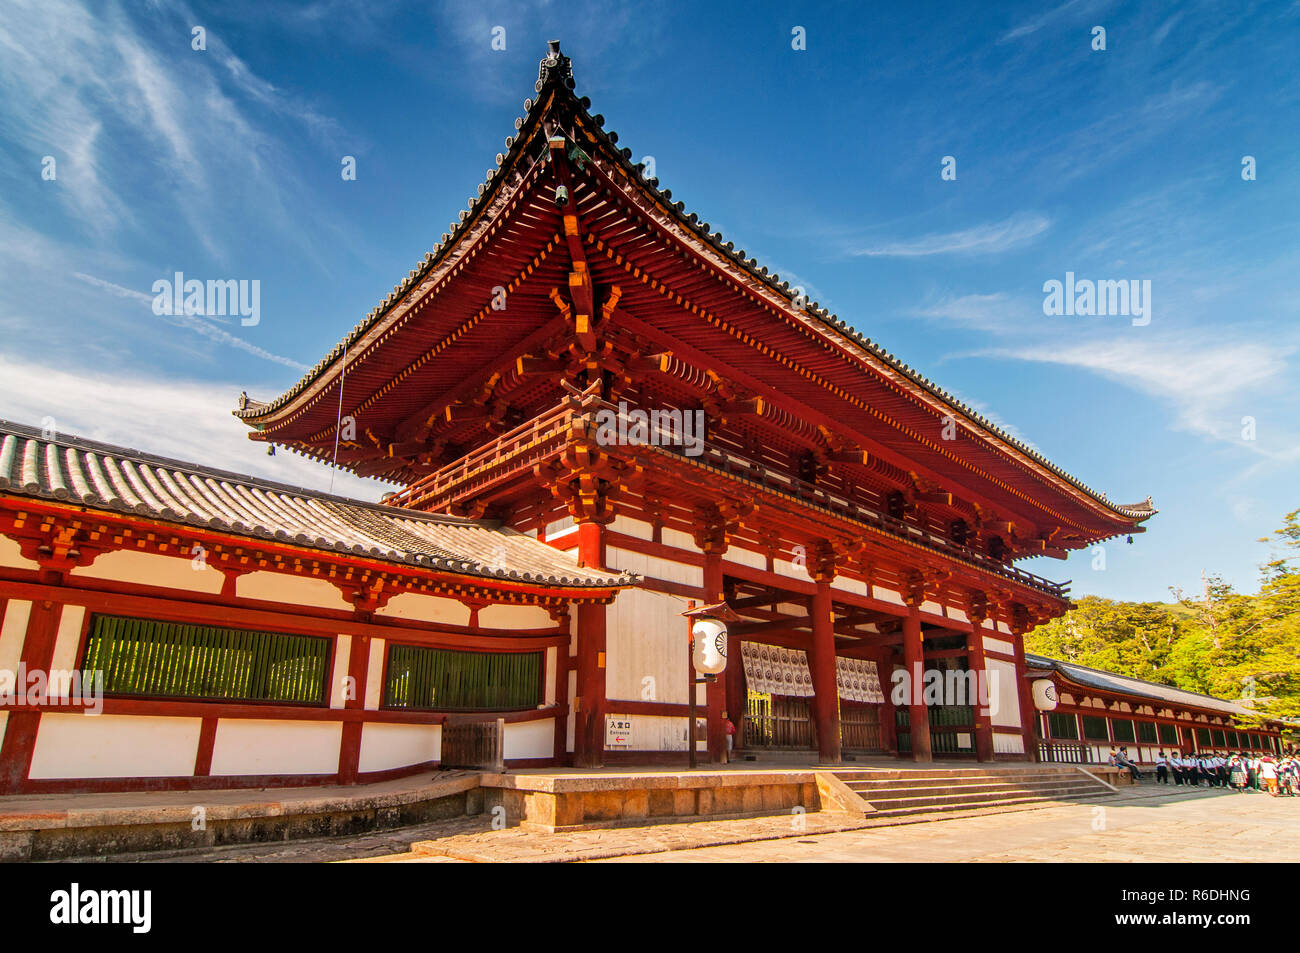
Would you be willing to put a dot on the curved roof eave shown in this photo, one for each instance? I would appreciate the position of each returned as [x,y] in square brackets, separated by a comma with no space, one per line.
[555,77]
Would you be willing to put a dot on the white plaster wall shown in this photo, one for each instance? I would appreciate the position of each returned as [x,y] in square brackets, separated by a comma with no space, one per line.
[115,746]
[887,595]
[419,607]
[151,569]
[283,587]
[1008,744]
[630,527]
[934,607]
[515,617]
[552,661]
[655,567]
[997,645]
[13,633]
[784,567]
[12,557]
[849,584]
[386,746]
[958,616]
[1004,628]
[256,746]
[342,655]
[530,739]
[645,638]
[375,674]
[1007,710]
[66,642]
[569,727]
[745,557]
[4,720]
[679,540]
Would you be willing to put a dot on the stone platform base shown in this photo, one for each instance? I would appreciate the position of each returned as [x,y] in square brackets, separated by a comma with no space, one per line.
[559,803]
[58,827]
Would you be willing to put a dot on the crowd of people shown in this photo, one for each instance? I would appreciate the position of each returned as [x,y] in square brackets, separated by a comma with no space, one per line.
[1241,772]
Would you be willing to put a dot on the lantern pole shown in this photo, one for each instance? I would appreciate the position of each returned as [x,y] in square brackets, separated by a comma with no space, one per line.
[691,682]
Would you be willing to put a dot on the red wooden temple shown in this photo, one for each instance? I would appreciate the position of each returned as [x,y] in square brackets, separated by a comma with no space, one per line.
[545,367]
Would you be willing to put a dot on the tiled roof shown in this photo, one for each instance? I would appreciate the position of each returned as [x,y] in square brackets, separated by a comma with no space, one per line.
[1110,682]
[105,477]
[555,74]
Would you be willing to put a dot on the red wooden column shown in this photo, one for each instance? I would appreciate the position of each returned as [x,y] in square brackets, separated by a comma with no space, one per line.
[914,659]
[885,669]
[716,691]
[1020,624]
[821,664]
[589,702]
[977,612]
[20,730]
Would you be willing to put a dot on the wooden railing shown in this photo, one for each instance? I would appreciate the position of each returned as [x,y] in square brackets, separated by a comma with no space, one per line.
[1065,752]
[478,745]
[531,442]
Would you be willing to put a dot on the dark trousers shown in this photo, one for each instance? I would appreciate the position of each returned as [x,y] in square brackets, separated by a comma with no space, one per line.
[1162,774]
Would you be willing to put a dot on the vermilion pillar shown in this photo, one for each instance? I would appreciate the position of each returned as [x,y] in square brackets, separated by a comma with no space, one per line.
[821,663]
[914,659]
[20,730]
[589,702]
[975,663]
[715,692]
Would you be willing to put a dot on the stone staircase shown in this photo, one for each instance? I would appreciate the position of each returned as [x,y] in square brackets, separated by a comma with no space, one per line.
[898,792]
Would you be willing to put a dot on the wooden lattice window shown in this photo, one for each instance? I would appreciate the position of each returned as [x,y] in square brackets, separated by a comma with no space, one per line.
[1123,729]
[1094,728]
[1146,732]
[1061,725]
[156,659]
[1169,734]
[446,680]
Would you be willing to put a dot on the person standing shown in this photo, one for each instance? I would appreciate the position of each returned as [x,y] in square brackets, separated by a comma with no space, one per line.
[1162,767]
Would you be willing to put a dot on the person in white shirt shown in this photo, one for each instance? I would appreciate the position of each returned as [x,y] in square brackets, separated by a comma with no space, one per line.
[1162,767]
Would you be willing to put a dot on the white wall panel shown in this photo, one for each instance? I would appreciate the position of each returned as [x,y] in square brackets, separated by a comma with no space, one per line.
[1002,686]
[530,739]
[115,746]
[256,746]
[152,569]
[385,746]
[645,646]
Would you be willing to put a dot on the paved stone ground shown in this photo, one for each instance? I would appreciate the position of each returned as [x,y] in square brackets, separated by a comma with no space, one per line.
[1202,826]
[1148,823]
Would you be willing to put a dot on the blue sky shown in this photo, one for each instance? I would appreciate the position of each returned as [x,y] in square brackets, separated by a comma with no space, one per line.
[823,163]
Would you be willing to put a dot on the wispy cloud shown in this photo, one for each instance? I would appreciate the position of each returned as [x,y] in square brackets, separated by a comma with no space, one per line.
[1209,381]
[182,419]
[978,240]
[1049,17]
[200,323]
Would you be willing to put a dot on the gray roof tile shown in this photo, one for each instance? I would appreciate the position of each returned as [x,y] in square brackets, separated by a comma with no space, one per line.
[101,476]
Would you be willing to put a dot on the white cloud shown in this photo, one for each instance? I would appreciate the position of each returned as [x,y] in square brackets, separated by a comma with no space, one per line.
[1206,380]
[186,420]
[979,240]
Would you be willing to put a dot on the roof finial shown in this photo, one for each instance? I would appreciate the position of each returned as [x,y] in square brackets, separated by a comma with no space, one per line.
[555,67]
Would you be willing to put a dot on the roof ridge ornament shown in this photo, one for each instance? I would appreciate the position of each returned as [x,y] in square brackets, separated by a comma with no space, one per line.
[554,67]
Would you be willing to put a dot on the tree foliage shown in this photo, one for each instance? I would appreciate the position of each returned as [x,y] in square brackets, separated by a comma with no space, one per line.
[1218,642]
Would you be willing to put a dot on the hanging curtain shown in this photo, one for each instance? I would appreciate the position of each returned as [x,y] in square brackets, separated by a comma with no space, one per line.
[774,670]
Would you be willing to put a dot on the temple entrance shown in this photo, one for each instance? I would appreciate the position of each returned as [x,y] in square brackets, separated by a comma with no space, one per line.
[860,731]
[779,722]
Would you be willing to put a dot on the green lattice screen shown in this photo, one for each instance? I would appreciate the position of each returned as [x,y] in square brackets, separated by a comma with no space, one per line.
[447,680]
[179,660]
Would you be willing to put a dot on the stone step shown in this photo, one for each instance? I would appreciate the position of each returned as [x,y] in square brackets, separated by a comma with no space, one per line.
[892,791]
[977,798]
[890,776]
[984,805]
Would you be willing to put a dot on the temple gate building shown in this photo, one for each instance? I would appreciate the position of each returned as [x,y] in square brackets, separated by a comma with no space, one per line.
[599,412]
